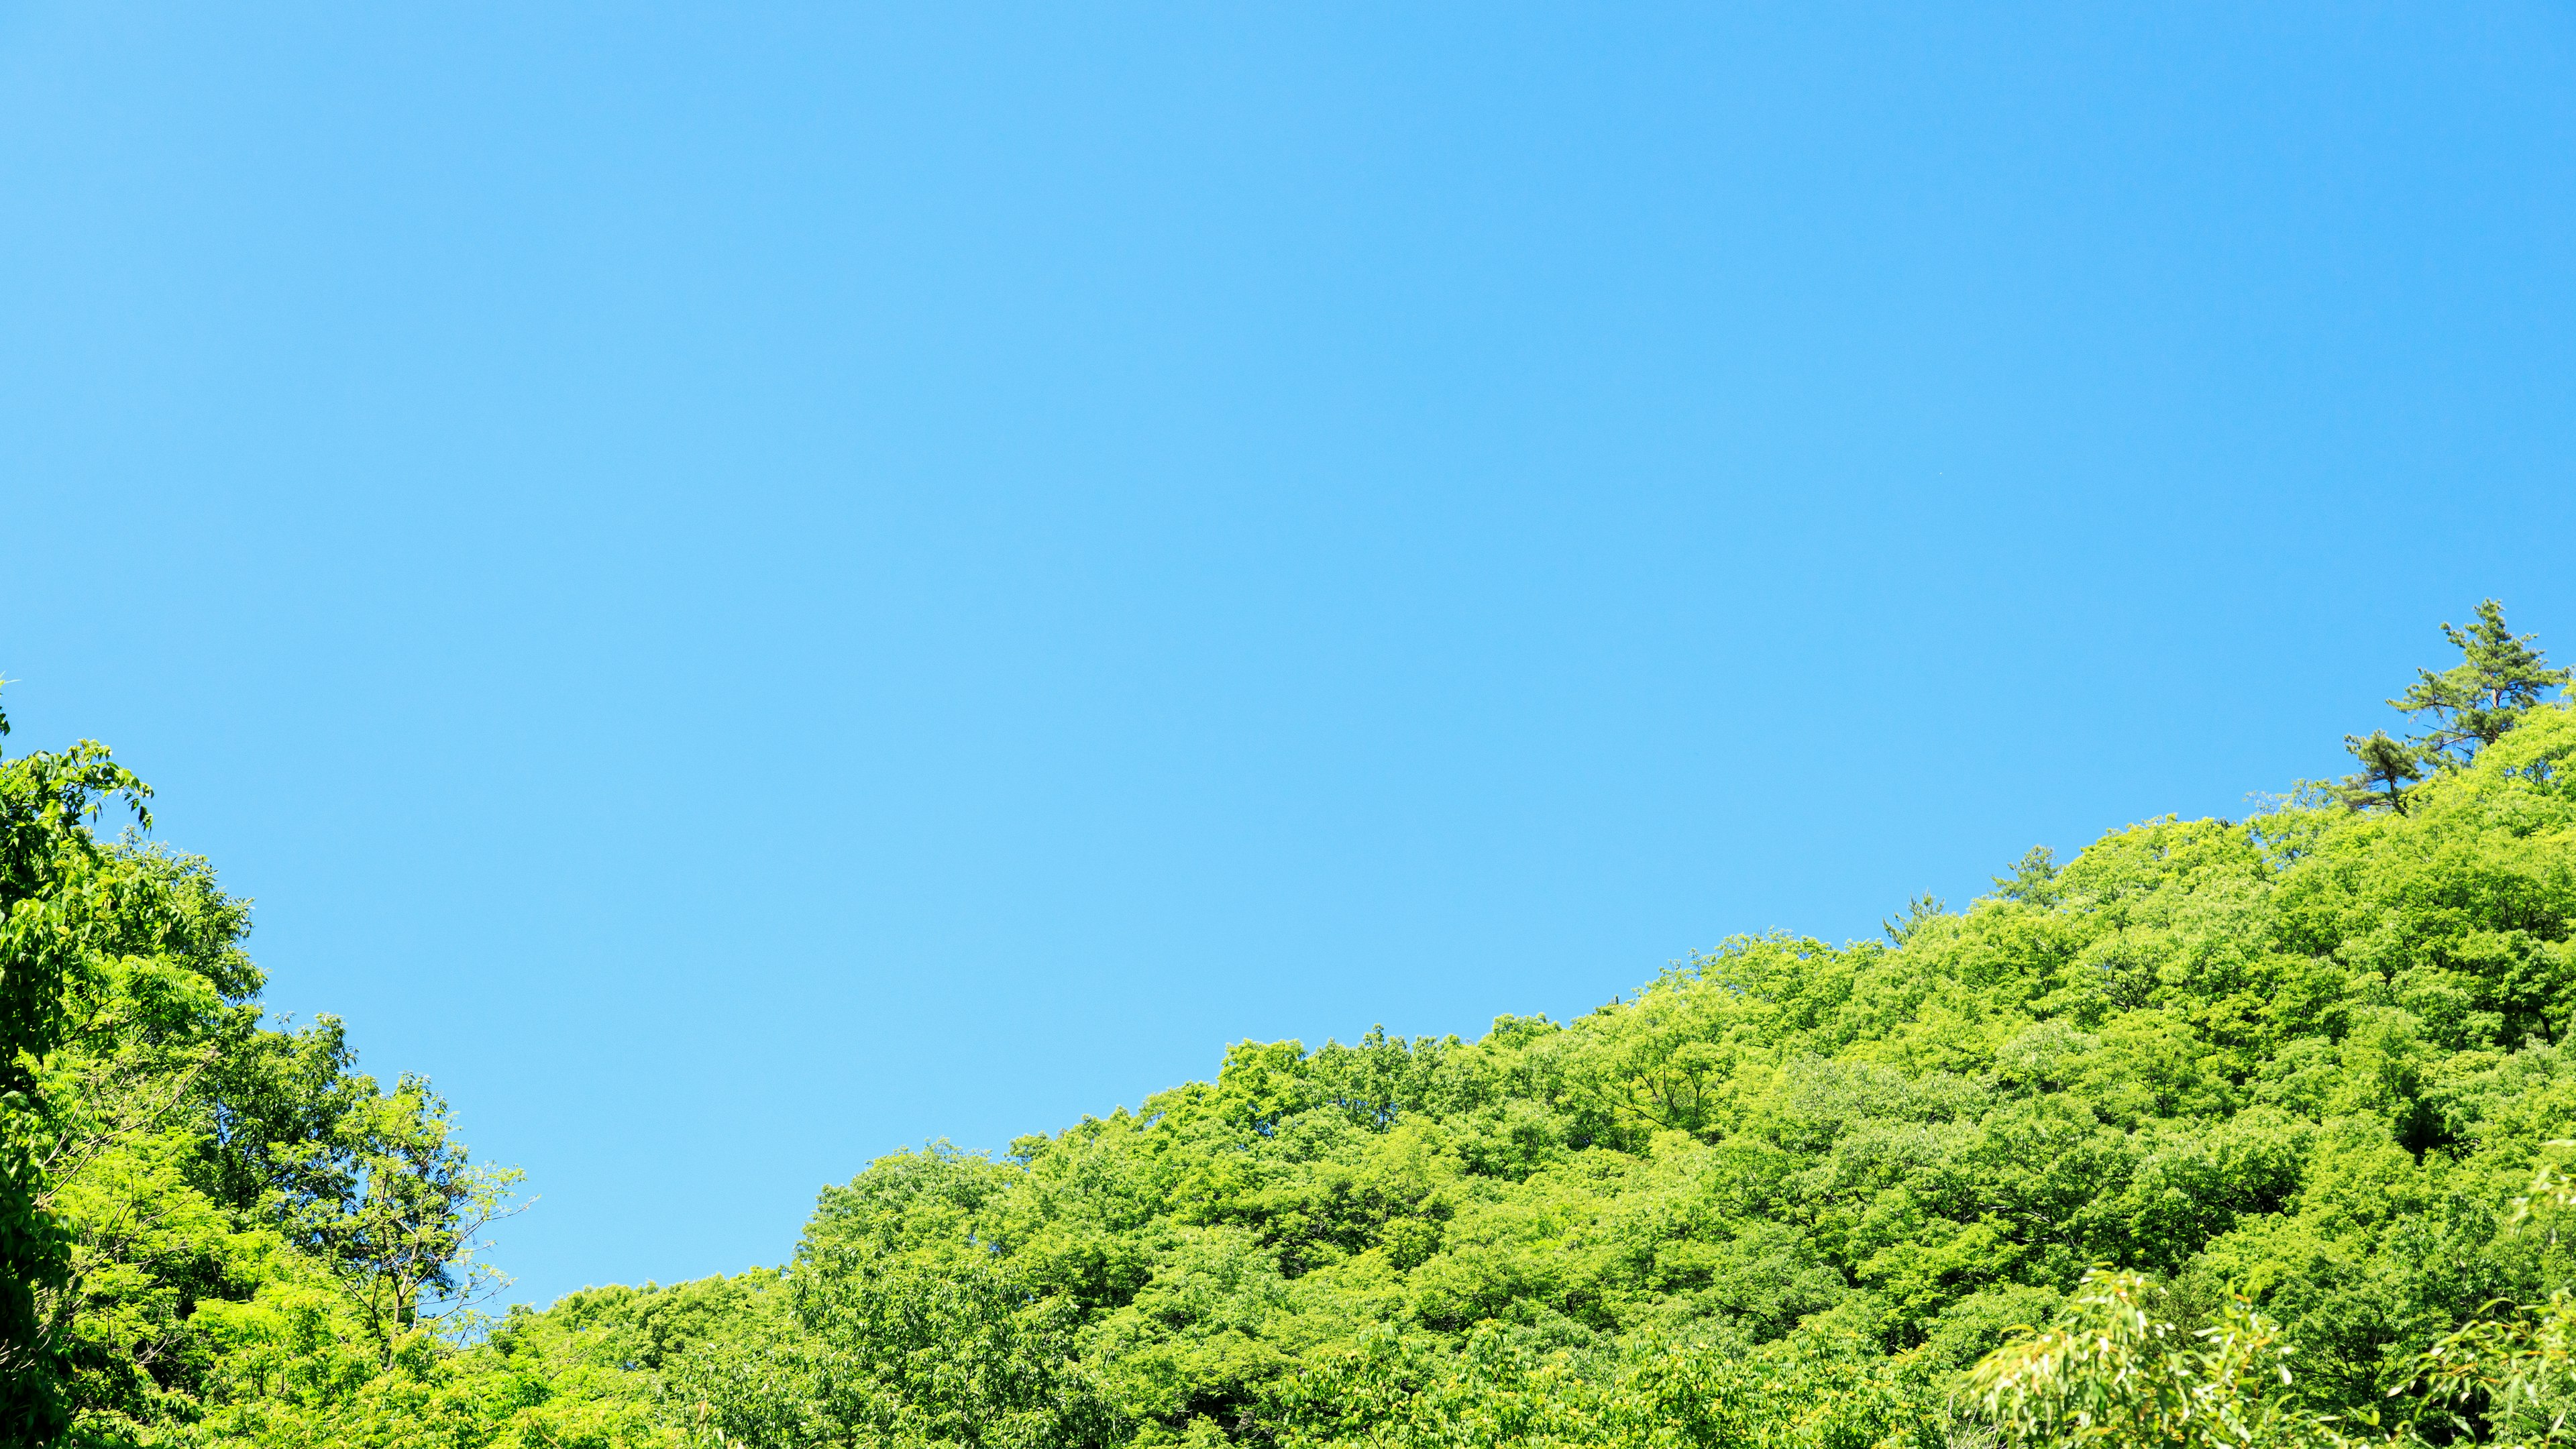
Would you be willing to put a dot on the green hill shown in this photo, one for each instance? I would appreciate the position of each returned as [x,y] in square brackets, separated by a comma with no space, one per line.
[2301,1072]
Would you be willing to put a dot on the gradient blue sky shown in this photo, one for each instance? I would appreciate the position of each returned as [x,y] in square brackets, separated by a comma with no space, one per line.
[748,585]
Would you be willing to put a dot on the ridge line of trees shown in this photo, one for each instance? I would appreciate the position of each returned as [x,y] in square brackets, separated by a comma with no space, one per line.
[2246,1133]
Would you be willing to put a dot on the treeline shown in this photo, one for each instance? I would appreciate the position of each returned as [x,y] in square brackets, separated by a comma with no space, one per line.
[2225,1132]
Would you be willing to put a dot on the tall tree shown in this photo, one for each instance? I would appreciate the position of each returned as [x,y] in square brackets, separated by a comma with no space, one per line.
[51,905]
[2472,704]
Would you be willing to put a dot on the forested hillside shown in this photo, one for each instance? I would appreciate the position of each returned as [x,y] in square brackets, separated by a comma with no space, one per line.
[2301,1080]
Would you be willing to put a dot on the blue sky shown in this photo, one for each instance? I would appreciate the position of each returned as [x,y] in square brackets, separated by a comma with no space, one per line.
[749,585]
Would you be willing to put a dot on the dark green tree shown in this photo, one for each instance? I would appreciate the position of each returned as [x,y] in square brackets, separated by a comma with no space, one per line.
[2388,766]
[51,905]
[2470,705]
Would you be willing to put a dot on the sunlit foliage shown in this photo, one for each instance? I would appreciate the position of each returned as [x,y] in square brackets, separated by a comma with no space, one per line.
[2217,1133]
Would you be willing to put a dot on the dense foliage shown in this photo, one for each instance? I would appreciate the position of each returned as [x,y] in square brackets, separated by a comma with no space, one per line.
[212,1223]
[2259,1121]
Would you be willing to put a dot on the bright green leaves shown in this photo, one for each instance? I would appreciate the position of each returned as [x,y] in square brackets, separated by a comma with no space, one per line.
[2115,1372]
[58,903]
[196,1214]
[2117,1368]
[1784,1195]
[867,1348]
[1391,1391]
[2295,1068]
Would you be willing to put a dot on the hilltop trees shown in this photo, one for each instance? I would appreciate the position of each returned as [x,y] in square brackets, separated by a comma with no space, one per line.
[2263,1125]
[2498,680]
[2290,1075]
[2467,707]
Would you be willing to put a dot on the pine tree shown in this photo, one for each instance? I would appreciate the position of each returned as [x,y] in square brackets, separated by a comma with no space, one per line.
[2388,766]
[2474,702]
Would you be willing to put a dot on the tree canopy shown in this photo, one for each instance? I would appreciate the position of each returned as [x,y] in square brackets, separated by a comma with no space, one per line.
[2218,1131]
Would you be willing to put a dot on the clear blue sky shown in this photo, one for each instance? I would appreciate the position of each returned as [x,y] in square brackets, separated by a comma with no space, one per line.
[748,585]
